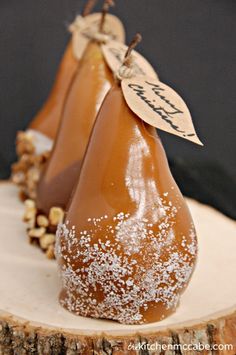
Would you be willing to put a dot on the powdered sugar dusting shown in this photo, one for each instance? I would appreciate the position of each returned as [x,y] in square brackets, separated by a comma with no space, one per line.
[132,267]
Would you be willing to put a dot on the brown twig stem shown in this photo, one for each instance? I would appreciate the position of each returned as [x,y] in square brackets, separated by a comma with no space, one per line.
[136,40]
[106,6]
[88,7]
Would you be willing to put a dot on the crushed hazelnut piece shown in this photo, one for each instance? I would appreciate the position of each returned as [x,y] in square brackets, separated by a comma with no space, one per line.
[56,216]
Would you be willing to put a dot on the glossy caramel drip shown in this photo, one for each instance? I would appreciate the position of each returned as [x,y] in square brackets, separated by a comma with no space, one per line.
[89,88]
[48,118]
[129,247]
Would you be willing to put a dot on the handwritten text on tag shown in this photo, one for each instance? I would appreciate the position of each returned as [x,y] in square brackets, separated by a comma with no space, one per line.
[160,106]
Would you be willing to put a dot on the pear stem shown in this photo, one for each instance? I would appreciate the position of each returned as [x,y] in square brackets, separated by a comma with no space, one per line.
[136,40]
[88,7]
[106,6]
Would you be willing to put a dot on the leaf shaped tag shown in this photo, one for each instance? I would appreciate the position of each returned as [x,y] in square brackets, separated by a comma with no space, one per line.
[114,53]
[160,106]
[83,27]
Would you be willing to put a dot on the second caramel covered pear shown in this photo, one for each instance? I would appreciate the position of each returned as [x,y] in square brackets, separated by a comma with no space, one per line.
[89,88]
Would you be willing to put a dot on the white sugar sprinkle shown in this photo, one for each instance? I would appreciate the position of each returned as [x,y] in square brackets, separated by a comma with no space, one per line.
[129,260]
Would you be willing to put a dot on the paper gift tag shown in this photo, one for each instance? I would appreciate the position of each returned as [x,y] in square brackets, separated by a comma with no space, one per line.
[114,53]
[160,106]
[83,27]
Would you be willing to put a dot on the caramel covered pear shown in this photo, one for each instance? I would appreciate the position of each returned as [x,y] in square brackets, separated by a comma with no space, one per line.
[91,84]
[128,247]
[48,118]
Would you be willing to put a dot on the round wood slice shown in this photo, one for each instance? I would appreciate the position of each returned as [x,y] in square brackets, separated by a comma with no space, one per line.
[32,321]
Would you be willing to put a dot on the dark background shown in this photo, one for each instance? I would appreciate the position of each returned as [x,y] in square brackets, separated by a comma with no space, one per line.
[191,44]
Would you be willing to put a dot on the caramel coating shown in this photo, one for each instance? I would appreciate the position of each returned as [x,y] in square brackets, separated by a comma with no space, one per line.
[128,247]
[89,88]
[48,118]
